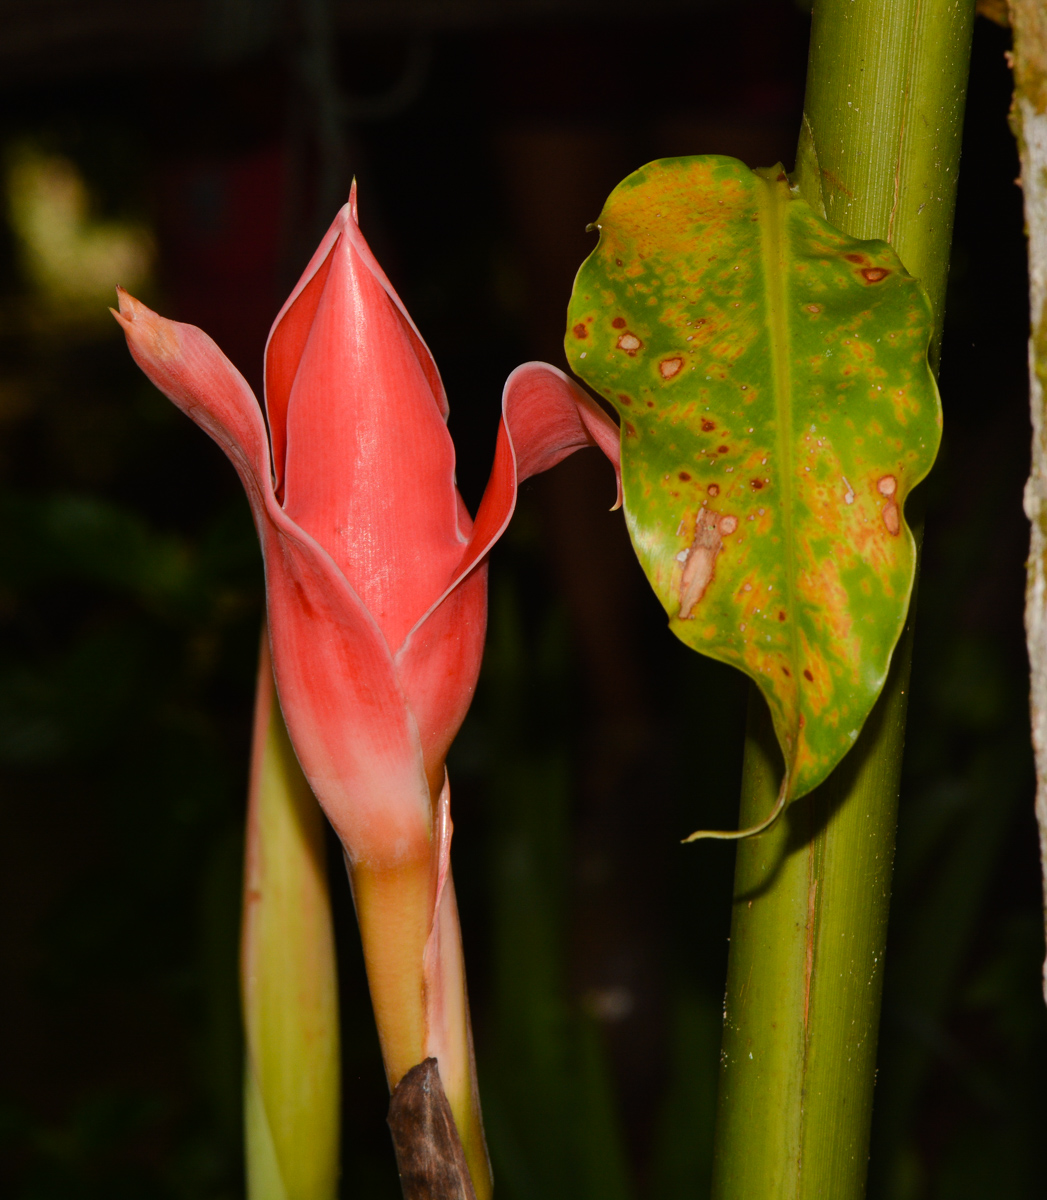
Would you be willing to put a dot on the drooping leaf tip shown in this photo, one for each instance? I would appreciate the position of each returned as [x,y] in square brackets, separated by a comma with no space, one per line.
[740,835]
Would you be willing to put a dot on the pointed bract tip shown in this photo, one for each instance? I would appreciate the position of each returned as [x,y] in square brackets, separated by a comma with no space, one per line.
[124,314]
[353,211]
[143,325]
[130,308]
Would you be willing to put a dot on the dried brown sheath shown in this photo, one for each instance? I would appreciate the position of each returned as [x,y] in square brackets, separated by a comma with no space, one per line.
[428,1149]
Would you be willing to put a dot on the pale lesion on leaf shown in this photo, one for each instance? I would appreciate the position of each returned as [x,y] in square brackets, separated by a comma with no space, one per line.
[710,529]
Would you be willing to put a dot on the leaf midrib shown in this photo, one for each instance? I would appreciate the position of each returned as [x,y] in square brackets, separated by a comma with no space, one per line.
[772,254]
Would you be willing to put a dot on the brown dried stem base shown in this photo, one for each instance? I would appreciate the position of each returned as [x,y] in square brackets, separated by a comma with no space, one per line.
[429,1152]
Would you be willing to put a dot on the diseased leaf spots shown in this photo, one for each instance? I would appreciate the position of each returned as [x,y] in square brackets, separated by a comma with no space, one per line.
[777,407]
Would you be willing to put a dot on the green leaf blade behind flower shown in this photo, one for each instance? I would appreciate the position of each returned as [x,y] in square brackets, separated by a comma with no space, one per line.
[777,407]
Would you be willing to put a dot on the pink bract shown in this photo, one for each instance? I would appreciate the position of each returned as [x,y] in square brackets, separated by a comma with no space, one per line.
[375,573]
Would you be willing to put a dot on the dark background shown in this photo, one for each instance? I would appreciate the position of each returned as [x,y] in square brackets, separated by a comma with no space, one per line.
[195,152]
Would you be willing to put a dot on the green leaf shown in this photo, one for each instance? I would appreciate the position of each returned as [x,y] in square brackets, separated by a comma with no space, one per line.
[777,407]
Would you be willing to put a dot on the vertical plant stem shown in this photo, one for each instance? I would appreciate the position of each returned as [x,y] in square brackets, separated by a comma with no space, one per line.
[289,977]
[1029,116]
[879,157]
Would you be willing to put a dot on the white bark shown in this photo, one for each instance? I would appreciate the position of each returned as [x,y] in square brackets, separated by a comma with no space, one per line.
[1030,119]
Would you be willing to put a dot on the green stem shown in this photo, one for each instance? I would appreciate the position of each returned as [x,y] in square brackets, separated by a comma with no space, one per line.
[879,150]
[879,156]
[288,975]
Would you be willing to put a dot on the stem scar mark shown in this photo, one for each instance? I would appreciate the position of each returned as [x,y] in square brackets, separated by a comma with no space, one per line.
[809,939]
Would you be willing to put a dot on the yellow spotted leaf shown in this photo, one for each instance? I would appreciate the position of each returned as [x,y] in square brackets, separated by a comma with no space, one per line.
[776,408]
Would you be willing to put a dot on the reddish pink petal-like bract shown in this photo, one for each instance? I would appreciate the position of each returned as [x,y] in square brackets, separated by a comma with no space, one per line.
[372,700]
[376,588]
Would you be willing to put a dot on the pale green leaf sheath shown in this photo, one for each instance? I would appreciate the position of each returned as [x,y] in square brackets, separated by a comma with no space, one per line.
[777,407]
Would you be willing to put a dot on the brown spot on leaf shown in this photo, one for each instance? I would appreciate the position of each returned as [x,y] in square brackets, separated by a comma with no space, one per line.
[685,477]
[892,518]
[714,489]
[580,331]
[856,258]
[808,676]
[756,484]
[670,367]
[781,615]
[874,274]
[781,177]
[887,485]
[722,449]
[814,308]
[624,398]
[700,563]
[708,425]
[786,671]
[630,343]
[619,322]
[728,525]
[630,429]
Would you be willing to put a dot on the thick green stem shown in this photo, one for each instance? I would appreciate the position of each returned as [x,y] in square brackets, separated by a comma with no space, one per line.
[879,155]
